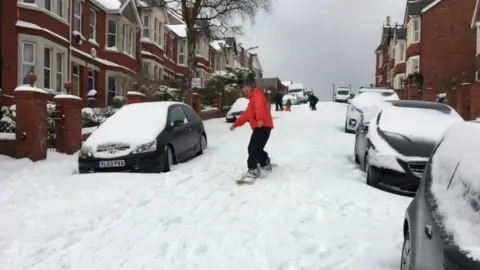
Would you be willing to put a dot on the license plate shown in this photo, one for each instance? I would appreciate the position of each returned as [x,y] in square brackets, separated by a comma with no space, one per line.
[111,163]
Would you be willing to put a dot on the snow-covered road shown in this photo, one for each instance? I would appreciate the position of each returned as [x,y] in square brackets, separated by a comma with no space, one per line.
[313,212]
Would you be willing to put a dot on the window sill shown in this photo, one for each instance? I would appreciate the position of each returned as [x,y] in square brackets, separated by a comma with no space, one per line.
[35,7]
[116,50]
[75,32]
[93,42]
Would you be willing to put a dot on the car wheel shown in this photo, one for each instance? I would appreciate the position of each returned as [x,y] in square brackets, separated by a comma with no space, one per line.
[168,160]
[355,155]
[202,144]
[406,261]
[370,180]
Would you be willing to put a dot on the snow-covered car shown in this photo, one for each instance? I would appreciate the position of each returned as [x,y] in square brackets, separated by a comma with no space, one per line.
[363,101]
[238,107]
[342,95]
[299,90]
[293,98]
[394,146]
[442,226]
[144,137]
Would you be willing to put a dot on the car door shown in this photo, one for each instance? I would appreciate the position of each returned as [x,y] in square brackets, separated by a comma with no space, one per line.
[195,125]
[180,133]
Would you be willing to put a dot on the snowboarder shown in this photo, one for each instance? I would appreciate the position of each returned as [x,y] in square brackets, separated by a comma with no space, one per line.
[288,105]
[313,102]
[260,119]
[278,101]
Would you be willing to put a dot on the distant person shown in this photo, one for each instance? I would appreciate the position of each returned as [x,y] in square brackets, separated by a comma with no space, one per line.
[278,101]
[313,102]
[288,105]
[260,120]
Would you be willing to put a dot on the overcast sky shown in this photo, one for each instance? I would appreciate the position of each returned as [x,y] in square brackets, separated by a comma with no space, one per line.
[322,42]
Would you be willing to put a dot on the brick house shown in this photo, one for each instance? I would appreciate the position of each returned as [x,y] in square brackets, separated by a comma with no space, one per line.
[399,52]
[475,25]
[440,42]
[382,56]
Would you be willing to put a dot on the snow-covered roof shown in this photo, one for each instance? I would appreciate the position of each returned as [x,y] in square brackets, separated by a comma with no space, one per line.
[178,29]
[142,3]
[216,45]
[109,4]
[286,83]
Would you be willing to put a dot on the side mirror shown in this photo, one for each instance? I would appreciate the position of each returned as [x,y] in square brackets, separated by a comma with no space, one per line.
[177,123]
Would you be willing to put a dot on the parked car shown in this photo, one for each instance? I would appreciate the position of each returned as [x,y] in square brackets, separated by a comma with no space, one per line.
[342,95]
[293,98]
[299,90]
[144,137]
[372,89]
[238,107]
[442,226]
[394,145]
[363,101]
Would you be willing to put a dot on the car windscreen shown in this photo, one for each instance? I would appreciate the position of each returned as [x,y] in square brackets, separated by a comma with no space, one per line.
[418,123]
[295,90]
[343,92]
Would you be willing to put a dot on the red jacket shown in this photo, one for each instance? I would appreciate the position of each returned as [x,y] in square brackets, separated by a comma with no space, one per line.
[258,109]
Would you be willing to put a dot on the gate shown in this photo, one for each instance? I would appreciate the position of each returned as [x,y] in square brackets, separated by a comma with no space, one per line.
[54,125]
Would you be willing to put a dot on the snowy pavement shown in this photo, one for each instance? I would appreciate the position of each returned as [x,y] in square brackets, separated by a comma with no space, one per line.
[313,212]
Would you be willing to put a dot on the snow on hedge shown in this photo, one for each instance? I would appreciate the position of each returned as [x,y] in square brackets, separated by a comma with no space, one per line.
[456,185]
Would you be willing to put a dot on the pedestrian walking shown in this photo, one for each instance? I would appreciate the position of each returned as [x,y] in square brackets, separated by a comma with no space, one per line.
[278,101]
[261,122]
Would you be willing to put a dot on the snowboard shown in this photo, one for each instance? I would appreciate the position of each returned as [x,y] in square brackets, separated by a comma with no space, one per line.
[251,181]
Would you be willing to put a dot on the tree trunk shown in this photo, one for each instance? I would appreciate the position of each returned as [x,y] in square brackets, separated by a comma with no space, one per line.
[191,58]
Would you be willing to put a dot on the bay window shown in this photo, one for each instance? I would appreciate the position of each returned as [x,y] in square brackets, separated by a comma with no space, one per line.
[48,5]
[93,24]
[156,35]
[47,68]
[145,68]
[112,88]
[165,40]
[59,9]
[146,26]
[76,80]
[28,60]
[416,30]
[415,65]
[198,47]
[112,33]
[172,43]
[155,72]
[401,49]
[77,15]
[29,1]
[91,79]
[130,44]
[218,59]
[181,51]
[123,37]
[60,72]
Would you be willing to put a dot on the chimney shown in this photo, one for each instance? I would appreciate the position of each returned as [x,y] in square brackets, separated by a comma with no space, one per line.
[388,21]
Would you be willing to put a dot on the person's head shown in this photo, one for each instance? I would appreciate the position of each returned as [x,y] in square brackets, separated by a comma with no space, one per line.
[247,88]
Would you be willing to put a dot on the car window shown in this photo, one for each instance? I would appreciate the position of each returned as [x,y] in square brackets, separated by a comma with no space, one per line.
[177,114]
[190,113]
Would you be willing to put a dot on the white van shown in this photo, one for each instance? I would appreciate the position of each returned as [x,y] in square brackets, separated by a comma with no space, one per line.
[342,94]
[299,90]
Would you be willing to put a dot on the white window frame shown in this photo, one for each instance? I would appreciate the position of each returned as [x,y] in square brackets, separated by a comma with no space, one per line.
[155,30]
[146,26]
[130,41]
[49,68]
[50,8]
[146,69]
[26,63]
[416,32]
[92,72]
[165,40]
[172,44]
[77,15]
[60,8]
[29,1]
[181,51]
[415,65]
[92,27]
[112,34]
[59,71]
[380,60]
[76,79]
[401,48]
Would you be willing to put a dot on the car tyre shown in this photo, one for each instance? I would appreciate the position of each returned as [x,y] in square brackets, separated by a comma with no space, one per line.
[355,155]
[168,159]
[370,180]
[202,144]
[406,260]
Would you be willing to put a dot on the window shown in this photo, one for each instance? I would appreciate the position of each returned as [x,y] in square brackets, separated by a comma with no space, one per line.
[165,39]
[145,68]
[76,80]
[172,43]
[29,1]
[415,65]
[160,27]
[380,60]
[197,47]
[176,114]
[146,26]
[416,30]
[156,36]
[112,88]
[402,51]
[130,44]
[197,74]
[48,5]
[59,74]
[59,10]
[28,60]
[217,62]
[123,36]
[93,24]
[47,68]
[478,39]
[112,33]
[77,16]
[91,79]
[155,72]
[181,52]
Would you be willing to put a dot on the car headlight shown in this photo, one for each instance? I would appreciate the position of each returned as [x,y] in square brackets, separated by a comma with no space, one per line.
[86,151]
[146,147]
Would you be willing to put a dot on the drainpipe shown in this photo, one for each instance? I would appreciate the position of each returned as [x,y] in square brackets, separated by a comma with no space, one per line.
[69,62]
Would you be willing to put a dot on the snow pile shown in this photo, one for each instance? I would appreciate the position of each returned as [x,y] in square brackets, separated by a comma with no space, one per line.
[134,124]
[7,120]
[368,99]
[456,185]
[415,122]
[239,105]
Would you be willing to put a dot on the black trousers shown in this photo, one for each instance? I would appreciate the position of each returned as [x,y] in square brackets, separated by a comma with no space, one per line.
[278,105]
[256,154]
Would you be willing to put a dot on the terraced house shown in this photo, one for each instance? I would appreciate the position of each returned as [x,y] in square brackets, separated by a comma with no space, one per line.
[99,45]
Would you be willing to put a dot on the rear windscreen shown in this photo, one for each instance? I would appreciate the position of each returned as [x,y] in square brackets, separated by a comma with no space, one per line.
[343,92]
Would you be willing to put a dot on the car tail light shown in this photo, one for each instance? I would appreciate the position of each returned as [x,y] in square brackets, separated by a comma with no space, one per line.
[454,259]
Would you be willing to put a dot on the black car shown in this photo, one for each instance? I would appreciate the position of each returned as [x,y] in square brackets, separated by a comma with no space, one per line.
[393,146]
[144,137]
[441,227]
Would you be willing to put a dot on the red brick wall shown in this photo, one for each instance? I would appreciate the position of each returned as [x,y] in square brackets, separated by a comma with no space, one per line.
[7,147]
[209,114]
[9,46]
[400,68]
[448,44]
[413,50]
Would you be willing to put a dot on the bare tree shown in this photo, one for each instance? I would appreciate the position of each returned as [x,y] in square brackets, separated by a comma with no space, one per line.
[212,18]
